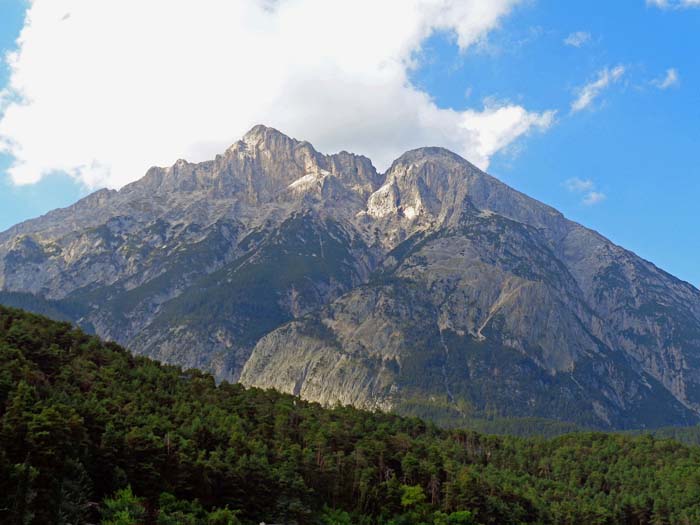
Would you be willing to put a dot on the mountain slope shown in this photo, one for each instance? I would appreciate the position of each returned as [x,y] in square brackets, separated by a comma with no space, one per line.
[481,318]
[305,262]
[135,261]
[432,288]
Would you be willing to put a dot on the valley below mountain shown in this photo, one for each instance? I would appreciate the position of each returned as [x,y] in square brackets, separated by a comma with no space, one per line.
[432,289]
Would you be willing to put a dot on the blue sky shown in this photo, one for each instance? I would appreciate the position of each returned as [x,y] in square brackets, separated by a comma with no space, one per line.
[625,165]
[639,144]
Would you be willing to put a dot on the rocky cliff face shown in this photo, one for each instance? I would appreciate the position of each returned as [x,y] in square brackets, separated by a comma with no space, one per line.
[432,287]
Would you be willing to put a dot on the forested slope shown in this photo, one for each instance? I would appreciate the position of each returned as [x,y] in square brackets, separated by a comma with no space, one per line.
[90,433]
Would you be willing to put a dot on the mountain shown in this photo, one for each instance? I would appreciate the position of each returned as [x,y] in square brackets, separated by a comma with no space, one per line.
[90,433]
[432,289]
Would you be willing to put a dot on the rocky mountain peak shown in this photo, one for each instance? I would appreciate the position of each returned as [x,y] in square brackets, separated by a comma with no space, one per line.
[428,154]
[423,184]
[274,166]
[261,134]
[264,141]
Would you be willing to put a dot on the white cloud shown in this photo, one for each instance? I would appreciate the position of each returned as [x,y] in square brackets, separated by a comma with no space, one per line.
[588,93]
[577,39]
[120,85]
[674,4]
[579,185]
[594,197]
[587,188]
[671,79]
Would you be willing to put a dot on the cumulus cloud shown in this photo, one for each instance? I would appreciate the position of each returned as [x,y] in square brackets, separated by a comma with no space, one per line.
[577,39]
[588,93]
[587,189]
[674,4]
[671,79]
[103,90]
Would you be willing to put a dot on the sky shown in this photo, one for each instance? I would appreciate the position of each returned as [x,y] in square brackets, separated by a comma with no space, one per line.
[592,107]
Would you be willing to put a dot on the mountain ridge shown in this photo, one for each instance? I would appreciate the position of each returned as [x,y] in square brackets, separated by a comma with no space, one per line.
[224,265]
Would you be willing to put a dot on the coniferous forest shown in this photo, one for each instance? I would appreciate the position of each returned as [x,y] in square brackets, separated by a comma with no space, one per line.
[91,434]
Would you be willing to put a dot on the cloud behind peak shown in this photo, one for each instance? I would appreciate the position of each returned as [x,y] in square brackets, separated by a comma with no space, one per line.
[114,88]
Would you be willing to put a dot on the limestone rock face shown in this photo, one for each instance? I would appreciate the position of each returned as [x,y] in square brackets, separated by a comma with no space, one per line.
[430,289]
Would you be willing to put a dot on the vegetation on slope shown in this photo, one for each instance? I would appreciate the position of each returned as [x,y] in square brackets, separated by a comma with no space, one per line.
[90,433]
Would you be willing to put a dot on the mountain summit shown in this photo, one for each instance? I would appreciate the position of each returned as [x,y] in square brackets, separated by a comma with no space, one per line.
[431,289]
